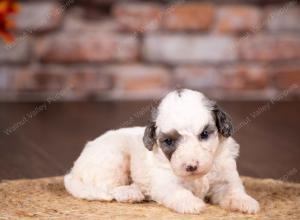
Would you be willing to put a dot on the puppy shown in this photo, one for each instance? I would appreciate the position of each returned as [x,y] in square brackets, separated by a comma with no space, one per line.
[186,153]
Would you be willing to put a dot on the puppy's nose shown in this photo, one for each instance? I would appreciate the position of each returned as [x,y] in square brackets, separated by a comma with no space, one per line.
[191,168]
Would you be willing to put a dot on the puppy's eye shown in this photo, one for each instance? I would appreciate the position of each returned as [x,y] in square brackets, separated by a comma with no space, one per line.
[204,135]
[168,141]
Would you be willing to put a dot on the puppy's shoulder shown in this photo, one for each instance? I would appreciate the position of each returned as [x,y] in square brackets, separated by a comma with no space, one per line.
[225,160]
[227,152]
[230,148]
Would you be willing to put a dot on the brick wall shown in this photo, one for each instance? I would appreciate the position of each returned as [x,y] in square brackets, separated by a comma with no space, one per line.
[118,49]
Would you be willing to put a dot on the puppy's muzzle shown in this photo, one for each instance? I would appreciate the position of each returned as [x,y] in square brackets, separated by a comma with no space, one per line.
[191,167]
[195,168]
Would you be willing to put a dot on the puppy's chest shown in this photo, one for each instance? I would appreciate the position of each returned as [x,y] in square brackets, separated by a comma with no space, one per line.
[199,187]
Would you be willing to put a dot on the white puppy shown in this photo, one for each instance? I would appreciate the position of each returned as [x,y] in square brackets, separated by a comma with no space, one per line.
[184,155]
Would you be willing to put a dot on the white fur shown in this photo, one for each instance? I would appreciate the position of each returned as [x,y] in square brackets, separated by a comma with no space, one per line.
[118,166]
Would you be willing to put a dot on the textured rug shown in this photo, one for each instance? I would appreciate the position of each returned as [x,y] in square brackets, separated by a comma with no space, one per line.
[47,199]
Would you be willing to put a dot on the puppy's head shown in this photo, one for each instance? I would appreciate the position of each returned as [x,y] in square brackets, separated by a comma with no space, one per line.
[186,132]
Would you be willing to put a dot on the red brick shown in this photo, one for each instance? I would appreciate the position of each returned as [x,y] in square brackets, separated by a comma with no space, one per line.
[238,18]
[138,17]
[91,79]
[229,77]
[287,76]
[31,80]
[75,21]
[5,78]
[188,16]
[16,52]
[139,79]
[184,48]
[196,77]
[87,47]
[53,78]
[39,16]
[244,77]
[270,47]
[283,18]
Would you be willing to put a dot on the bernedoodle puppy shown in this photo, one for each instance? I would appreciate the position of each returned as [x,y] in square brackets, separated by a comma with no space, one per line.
[185,154]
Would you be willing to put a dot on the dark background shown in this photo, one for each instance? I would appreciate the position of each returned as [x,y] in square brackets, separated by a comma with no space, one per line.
[47,144]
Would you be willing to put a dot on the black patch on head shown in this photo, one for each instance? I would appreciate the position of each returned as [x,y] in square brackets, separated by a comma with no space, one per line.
[168,142]
[179,92]
[223,122]
[149,138]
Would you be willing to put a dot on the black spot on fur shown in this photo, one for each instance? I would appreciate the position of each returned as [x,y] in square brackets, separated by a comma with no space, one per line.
[223,122]
[169,149]
[149,138]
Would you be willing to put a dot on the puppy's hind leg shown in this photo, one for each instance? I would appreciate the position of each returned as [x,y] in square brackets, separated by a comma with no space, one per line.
[86,191]
[93,179]
[130,193]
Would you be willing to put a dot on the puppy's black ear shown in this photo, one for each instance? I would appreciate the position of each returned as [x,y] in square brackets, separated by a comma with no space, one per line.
[223,122]
[149,136]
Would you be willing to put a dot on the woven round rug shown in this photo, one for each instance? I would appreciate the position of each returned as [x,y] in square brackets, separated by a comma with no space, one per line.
[47,199]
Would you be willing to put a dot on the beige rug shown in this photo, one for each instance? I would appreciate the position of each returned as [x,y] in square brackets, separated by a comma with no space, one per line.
[47,199]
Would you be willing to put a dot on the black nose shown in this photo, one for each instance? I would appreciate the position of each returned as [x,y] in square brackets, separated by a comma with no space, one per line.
[191,168]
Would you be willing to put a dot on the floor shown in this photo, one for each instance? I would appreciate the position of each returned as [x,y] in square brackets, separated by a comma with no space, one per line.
[43,139]
[44,199]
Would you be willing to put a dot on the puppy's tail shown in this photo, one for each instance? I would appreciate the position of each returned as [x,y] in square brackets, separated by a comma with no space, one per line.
[82,190]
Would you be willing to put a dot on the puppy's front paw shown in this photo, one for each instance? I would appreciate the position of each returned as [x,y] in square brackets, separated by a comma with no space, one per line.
[186,202]
[240,202]
[128,194]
